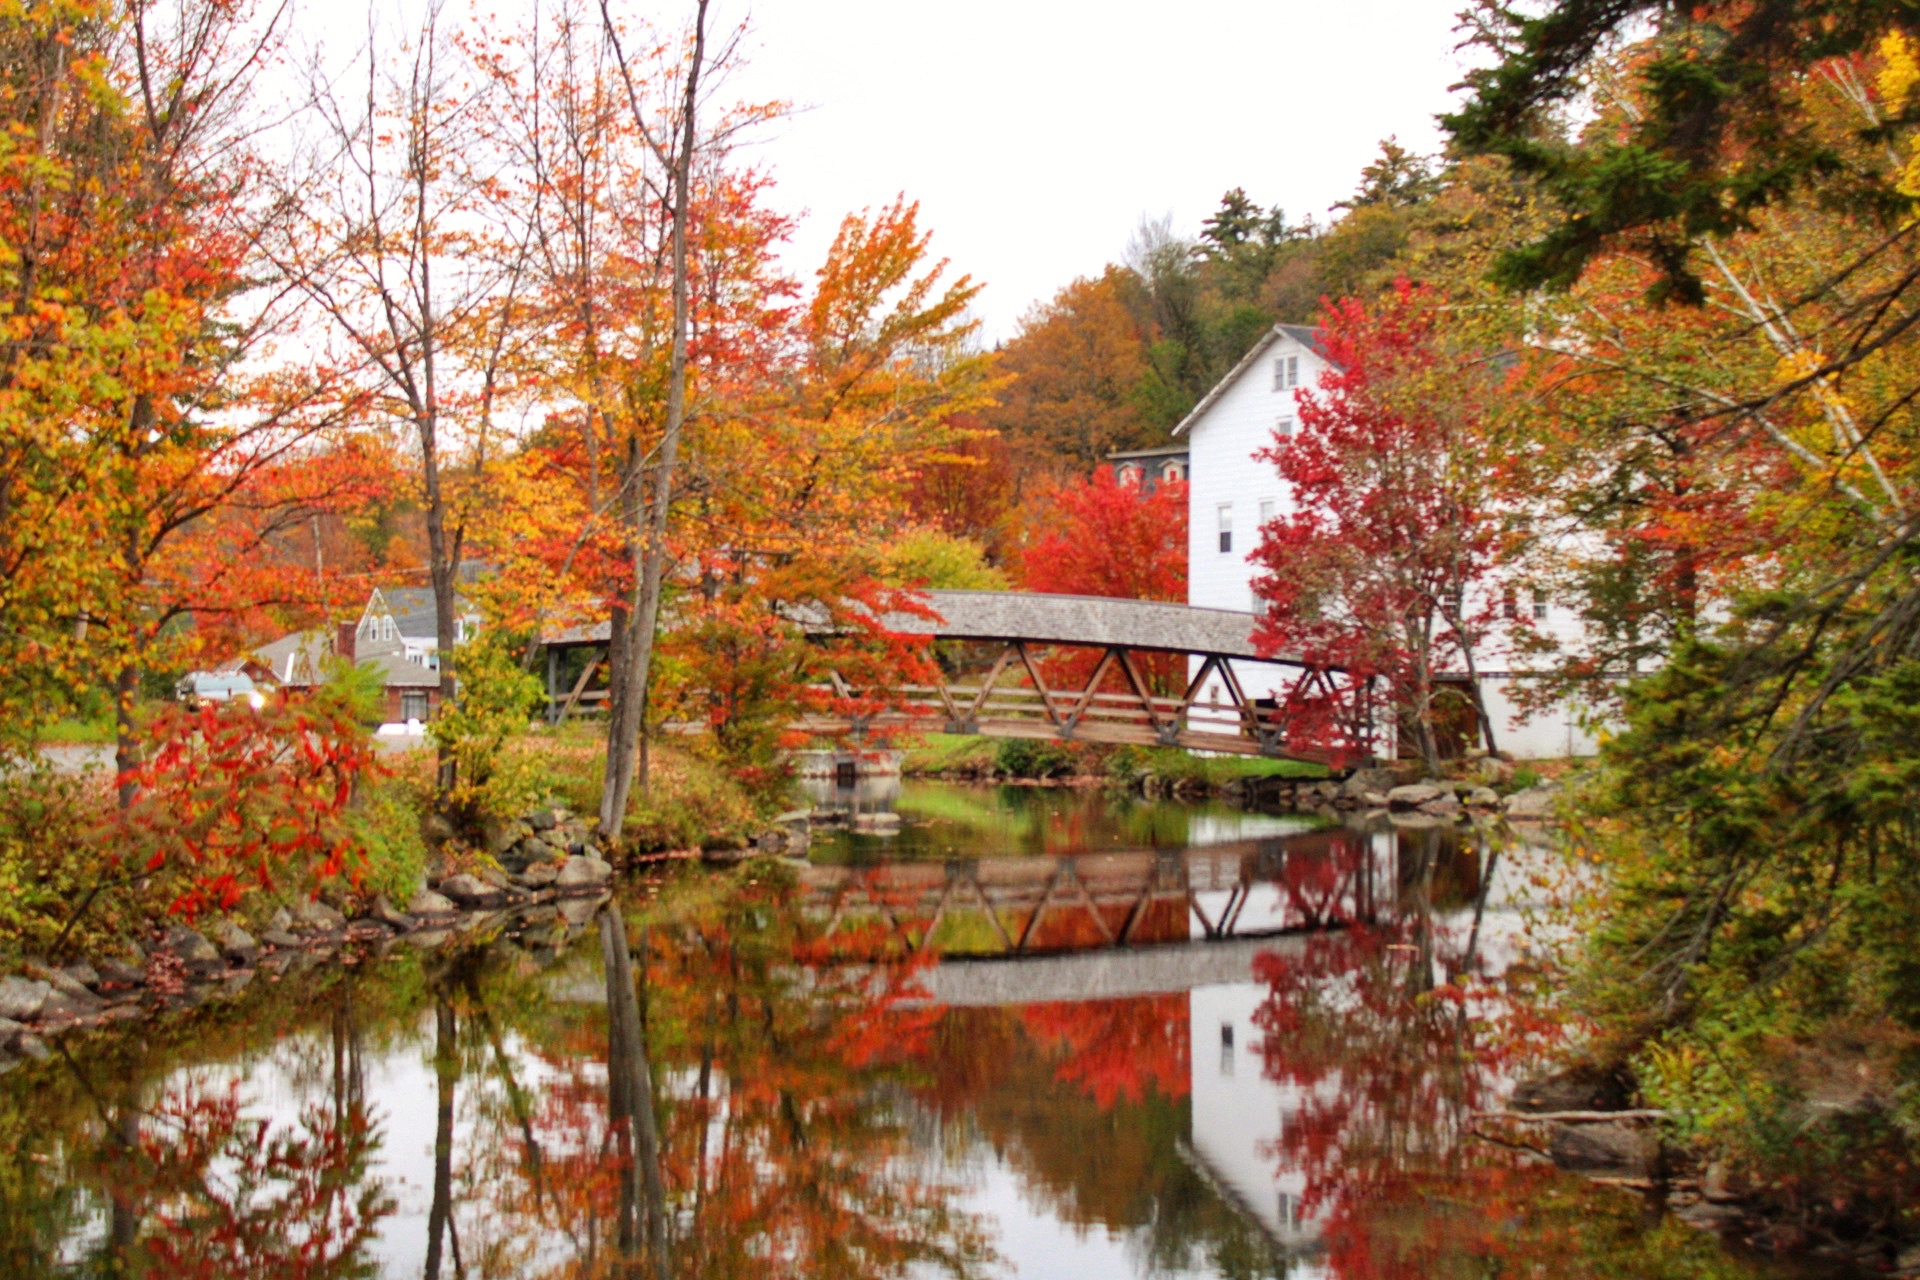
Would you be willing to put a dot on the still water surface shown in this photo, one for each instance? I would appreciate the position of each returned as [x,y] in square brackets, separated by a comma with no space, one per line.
[1036,1033]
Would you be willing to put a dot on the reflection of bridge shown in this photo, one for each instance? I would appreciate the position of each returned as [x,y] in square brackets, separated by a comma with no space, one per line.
[1039,906]
[1113,703]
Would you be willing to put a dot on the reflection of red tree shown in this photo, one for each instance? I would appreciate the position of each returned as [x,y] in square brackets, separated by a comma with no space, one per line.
[1114,1049]
[1390,1068]
[227,1194]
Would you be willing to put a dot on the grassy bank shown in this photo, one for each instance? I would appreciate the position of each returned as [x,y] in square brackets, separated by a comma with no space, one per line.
[975,756]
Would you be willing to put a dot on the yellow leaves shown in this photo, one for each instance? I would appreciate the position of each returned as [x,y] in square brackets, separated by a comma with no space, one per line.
[1899,70]
[1899,73]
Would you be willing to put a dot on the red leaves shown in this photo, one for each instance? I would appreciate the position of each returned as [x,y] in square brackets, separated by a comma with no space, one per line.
[1380,566]
[1109,538]
[229,797]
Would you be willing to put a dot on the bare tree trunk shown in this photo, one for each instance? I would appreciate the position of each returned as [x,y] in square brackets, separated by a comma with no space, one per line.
[649,543]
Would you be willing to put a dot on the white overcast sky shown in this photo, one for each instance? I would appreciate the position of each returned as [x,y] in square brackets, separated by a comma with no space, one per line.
[1037,135]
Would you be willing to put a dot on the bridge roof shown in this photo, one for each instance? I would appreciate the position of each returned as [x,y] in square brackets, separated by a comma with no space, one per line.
[1089,620]
[1055,619]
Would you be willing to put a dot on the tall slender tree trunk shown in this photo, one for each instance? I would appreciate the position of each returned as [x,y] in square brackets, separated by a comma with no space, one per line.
[446,1068]
[648,540]
[630,1084]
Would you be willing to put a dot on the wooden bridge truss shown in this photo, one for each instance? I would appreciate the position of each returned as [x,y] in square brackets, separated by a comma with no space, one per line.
[1038,906]
[1311,713]
[1013,698]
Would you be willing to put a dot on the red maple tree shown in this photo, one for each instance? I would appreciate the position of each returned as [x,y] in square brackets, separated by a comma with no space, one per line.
[1104,536]
[1380,567]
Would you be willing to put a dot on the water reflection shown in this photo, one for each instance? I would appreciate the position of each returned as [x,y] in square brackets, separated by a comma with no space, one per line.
[726,1079]
[956,820]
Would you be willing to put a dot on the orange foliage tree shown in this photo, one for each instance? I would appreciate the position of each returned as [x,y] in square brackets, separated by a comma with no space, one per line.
[151,467]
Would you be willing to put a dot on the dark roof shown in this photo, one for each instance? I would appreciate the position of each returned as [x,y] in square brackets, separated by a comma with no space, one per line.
[412,610]
[412,607]
[1164,451]
[1306,335]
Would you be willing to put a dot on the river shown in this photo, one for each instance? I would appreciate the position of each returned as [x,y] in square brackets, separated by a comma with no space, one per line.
[1033,1032]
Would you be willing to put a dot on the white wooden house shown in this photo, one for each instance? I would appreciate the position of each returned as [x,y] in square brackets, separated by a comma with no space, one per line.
[1231,495]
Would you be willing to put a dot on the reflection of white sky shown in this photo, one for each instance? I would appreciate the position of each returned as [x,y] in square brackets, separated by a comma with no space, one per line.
[1223,828]
[1030,1241]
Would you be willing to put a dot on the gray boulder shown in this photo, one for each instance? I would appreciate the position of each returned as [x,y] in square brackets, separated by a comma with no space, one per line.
[470,891]
[192,947]
[1483,798]
[1414,795]
[583,873]
[1533,805]
[318,916]
[499,837]
[386,913]
[1361,781]
[83,973]
[428,903]
[1615,1150]
[540,875]
[9,1029]
[543,820]
[122,973]
[21,999]
[283,939]
[62,982]
[67,1004]
[238,944]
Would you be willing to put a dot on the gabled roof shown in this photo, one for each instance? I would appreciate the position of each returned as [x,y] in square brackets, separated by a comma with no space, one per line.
[297,658]
[1303,334]
[412,607]
[412,610]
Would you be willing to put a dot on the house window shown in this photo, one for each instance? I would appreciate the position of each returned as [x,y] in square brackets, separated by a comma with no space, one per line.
[1283,429]
[413,706]
[1226,526]
[1286,373]
[1539,604]
[386,628]
[1128,474]
[1267,506]
[1510,602]
[1174,471]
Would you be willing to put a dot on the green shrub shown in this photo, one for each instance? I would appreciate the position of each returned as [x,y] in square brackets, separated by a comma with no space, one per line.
[1028,758]
[49,856]
[497,699]
[386,826]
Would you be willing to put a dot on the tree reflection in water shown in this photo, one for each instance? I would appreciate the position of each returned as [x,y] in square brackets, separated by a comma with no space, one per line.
[721,1088]
[1396,1037]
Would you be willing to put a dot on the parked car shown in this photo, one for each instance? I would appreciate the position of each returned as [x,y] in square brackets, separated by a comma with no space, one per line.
[198,687]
